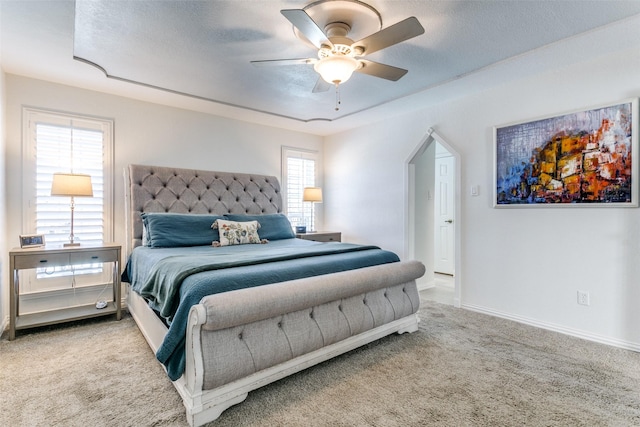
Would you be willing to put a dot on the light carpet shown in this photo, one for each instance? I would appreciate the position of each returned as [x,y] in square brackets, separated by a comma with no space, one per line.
[460,369]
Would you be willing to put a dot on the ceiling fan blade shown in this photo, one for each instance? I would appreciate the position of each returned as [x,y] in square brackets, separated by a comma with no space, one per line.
[278,62]
[403,30]
[321,85]
[383,71]
[307,27]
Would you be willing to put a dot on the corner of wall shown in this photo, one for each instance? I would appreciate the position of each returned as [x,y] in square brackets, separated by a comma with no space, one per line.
[4,291]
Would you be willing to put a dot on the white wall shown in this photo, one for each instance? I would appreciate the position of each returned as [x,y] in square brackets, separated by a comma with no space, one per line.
[146,134]
[4,246]
[524,264]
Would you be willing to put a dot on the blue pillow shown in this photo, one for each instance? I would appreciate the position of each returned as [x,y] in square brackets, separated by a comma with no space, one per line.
[168,230]
[272,226]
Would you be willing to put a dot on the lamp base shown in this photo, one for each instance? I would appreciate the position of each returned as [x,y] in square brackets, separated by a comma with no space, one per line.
[71,245]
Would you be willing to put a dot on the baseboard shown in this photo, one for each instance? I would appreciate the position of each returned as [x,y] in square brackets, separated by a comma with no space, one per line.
[627,345]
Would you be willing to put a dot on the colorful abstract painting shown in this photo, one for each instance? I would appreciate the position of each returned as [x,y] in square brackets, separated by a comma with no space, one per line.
[575,159]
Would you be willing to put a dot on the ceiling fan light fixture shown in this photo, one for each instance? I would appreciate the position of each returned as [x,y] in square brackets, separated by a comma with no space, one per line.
[336,69]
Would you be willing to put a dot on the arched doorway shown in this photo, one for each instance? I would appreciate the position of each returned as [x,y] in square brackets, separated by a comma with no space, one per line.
[421,219]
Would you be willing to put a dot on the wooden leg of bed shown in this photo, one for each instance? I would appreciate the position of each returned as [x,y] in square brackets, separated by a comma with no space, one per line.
[413,327]
[199,416]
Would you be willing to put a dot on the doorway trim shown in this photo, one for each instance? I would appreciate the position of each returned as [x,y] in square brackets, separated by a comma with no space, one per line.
[410,217]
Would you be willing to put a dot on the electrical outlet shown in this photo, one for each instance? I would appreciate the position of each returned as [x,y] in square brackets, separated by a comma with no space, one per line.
[583,298]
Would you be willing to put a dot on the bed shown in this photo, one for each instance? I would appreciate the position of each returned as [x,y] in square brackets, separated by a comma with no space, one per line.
[234,306]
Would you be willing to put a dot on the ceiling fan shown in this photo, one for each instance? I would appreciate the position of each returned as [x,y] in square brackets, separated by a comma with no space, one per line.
[338,55]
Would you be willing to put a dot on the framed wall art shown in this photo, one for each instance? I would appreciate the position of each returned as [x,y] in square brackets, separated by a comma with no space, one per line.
[583,158]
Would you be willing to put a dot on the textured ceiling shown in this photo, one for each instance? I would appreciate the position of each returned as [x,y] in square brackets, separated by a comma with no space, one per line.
[203,49]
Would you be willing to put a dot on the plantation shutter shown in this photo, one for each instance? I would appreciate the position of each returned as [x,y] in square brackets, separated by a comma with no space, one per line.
[69,149]
[300,173]
[58,142]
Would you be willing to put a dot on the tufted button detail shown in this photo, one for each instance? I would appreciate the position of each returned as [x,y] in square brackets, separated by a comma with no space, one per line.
[340,307]
[240,336]
[280,325]
[385,295]
[311,314]
[364,300]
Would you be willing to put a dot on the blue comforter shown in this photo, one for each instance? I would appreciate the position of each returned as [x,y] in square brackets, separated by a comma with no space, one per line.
[174,279]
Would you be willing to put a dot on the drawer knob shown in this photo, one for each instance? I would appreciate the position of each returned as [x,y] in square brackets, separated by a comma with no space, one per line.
[94,257]
[43,260]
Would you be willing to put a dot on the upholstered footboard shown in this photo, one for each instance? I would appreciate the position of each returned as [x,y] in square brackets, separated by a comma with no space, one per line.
[242,340]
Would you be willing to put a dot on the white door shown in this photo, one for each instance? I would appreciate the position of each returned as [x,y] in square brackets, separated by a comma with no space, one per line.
[444,214]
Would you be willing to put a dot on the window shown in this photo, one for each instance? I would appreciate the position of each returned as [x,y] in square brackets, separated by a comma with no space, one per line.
[56,142]
[299,170]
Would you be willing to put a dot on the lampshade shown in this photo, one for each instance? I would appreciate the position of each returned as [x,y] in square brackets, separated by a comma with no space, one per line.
[68,184]
[312,194]
[336,69]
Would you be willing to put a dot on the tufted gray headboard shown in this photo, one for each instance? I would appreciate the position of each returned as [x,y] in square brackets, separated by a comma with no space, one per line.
[164,189]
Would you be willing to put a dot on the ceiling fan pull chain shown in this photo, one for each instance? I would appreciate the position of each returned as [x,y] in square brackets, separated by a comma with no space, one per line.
[338,102]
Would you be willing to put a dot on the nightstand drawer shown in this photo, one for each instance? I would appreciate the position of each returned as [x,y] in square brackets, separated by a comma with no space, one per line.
[88,257]
[321,236]
[327,237]
[41,260]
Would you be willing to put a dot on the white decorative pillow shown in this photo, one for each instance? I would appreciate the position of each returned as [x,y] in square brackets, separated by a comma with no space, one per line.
[237,233]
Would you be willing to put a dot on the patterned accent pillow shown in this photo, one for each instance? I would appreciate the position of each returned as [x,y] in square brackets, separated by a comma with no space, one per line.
[237,233]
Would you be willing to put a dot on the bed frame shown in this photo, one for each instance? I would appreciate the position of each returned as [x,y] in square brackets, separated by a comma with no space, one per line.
[241,340]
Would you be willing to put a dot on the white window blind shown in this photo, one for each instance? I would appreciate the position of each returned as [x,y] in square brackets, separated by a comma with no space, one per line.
[68,144]
[72,150]
[300,170]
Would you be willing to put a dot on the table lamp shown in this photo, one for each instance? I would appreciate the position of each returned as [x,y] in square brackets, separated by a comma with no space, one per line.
[313,195]
[71,185]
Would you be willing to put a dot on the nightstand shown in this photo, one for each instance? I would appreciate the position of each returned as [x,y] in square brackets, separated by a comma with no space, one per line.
[22,259]
[321,236]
